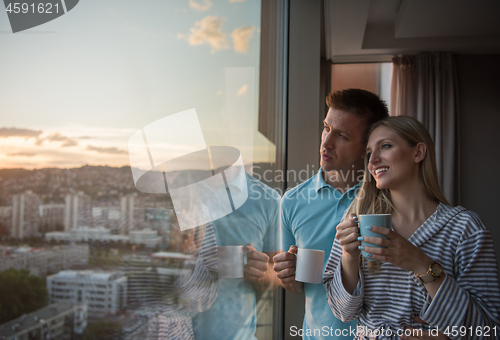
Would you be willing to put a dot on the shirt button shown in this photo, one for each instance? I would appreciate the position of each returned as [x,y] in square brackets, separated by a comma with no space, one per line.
[342,202]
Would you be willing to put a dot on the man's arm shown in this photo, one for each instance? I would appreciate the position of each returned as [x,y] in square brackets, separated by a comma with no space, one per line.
[285,261]
[284,265]
[258,269]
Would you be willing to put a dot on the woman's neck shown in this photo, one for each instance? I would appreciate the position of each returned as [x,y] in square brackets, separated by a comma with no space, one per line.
[412,208]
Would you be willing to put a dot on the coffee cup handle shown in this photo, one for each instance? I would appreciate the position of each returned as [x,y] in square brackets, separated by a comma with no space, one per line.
[245,259]
[295,263]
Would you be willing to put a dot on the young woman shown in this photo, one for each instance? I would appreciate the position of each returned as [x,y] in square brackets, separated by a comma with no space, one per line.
[438,263]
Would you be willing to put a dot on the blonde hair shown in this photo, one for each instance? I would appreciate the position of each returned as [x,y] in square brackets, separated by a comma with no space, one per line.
[371,200]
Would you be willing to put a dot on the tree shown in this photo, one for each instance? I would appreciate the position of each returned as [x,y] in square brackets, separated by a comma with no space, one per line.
[21,293]
[102,330]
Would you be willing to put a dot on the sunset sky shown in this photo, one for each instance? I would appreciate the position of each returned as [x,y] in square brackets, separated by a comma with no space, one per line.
[74,90]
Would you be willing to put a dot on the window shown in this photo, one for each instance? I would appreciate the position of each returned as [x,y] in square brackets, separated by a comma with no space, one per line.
[78,98]
[374,77]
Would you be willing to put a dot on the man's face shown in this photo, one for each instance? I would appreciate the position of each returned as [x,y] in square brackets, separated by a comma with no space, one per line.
[342,142]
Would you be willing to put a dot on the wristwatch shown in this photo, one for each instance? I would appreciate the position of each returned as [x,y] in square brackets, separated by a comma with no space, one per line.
[434,272]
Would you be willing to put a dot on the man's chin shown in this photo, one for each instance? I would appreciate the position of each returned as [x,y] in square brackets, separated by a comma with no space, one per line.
[326,166]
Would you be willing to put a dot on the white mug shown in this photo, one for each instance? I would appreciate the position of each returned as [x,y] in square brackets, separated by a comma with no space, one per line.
[309,266]
[232,261]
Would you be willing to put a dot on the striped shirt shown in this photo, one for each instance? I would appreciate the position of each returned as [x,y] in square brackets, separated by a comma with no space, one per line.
[468,297]
[163,306]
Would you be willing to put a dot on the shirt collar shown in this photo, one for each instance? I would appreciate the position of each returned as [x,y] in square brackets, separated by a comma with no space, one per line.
[320,183]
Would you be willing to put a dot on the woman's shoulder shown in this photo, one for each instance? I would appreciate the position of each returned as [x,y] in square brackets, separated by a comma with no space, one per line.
[461,220]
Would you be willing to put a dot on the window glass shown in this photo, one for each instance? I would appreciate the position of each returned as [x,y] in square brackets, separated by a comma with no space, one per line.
[374,77]
[133,140]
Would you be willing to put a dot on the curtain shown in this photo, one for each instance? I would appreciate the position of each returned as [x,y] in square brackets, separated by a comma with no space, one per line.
[424,86]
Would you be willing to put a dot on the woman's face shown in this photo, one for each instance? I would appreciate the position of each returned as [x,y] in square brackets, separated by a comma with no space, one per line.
[392,162]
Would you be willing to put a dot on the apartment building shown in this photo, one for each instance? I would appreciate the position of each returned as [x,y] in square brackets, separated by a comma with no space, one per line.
[103,292]
[78,211]
[51,216]
[58,321]
[25,215]
[40,261]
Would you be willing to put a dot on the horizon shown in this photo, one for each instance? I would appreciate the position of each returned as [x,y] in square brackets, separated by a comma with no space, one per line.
[116,167]
[78,167]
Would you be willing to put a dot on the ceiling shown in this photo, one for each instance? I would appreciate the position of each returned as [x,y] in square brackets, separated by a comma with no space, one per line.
[376,30]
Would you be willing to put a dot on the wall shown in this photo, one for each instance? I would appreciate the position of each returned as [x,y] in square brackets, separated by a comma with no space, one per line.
[479,104]
[305,107]
[305,113]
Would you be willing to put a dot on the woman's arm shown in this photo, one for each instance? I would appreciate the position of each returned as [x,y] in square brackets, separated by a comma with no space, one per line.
[341,277]
[401,253]
[347,235]
[468,298]
[199,283]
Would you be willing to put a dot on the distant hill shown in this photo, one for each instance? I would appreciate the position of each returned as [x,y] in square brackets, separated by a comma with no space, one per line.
[100,182]
[53,184]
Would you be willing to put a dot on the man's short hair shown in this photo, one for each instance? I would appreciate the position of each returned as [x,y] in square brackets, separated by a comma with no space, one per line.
[359,102]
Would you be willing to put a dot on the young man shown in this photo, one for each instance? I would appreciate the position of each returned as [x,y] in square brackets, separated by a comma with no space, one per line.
[311,211]
[255,225]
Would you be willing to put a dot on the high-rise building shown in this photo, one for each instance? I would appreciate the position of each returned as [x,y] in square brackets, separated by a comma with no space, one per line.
[52,217]
[107,215]
[78,211]
[103,292]
[25,215]
[127,204]
[5,219]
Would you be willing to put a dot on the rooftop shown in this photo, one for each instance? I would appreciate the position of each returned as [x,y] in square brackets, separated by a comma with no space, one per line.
[87,275]
[30,320]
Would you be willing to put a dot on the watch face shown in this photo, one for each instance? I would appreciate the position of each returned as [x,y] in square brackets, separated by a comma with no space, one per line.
[436,270]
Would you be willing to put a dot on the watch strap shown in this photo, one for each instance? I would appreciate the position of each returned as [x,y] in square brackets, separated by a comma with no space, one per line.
[429,276]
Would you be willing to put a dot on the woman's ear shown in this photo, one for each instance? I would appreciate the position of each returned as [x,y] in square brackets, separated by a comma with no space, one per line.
[420,152]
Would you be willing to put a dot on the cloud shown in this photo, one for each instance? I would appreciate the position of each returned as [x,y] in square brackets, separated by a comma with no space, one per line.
[109,150]
[22,154]
[207,31]
[236,0]
[57,137]
[242,90]
[241,36]
[23,133]
[200,7]
[14,157]
[36,134]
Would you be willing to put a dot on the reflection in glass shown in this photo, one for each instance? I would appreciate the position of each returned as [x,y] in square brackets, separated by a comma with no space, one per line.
[129,240]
